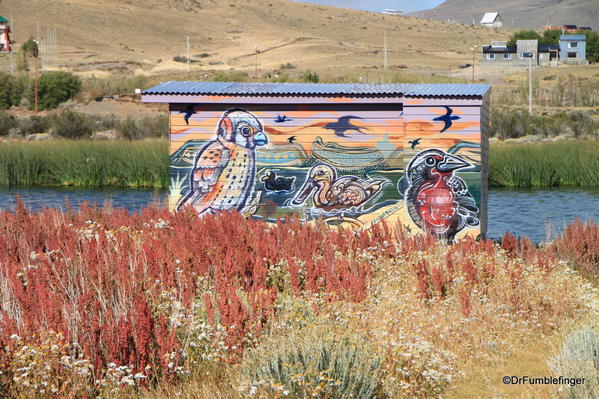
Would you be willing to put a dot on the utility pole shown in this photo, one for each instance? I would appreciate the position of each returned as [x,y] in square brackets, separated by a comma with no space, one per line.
[530,84]
[386,64]
[188,59]
[473,49]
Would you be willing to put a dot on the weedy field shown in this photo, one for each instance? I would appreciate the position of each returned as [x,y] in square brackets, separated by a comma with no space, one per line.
[102,303]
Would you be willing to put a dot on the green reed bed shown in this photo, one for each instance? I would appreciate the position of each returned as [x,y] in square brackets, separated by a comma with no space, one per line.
[84,163]
[570,163]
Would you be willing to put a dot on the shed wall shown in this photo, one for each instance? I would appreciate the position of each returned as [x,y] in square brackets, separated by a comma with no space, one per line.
[343,162]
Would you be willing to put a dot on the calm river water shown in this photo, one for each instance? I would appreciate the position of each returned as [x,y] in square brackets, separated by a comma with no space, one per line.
[537,214]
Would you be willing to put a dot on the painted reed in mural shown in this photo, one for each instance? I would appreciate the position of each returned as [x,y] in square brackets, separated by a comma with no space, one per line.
[84,163]
[109,300]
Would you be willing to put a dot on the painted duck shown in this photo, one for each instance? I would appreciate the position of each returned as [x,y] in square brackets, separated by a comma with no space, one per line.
[330,192]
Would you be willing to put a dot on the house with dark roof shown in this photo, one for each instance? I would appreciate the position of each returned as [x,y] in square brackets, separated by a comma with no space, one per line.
[500,54]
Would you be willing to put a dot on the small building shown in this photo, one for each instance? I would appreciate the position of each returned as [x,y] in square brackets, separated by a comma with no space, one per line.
[492,20]
[5,46]
[500,54]
[585,28]
[569,28]
[390,11]
[349,154]
[573,49]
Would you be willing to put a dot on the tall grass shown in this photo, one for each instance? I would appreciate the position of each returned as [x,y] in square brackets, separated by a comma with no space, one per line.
[572,163]
[84,163]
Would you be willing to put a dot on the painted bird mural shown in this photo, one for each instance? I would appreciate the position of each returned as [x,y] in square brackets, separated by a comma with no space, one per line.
[414,143]
[333,193]
[189,111]
[448,118]
[272,182]
[291,139]
[437,200]
[224,169]
[344,125]
[282,119]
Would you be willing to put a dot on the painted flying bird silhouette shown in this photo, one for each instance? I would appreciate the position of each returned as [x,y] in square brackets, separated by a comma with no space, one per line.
[437,200]
[414,143]
[272,182]
[224,169]
[343,125]
[282,118]
[330,192]
[447,118]
[188,113]
[291,139]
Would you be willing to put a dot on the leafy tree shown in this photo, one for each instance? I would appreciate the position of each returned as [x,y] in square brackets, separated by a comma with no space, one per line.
[11,90]
[551,36]
[592,44]
[29,48]
[55,88]
[524,35]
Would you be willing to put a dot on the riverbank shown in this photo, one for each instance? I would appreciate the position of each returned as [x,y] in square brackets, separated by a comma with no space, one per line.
[144,164]
[102,303]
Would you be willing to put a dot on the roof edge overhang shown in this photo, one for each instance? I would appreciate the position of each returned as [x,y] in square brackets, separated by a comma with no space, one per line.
[252,99]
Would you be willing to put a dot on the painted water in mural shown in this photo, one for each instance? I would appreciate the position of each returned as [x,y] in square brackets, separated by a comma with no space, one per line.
[350,166]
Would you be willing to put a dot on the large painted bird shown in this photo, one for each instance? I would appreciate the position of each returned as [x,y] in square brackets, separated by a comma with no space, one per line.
[224,170]
[437,200]
[448,118]
[344,125]
[332,193]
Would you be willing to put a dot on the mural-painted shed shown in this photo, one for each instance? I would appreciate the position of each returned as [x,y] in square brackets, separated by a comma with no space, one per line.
[351,154]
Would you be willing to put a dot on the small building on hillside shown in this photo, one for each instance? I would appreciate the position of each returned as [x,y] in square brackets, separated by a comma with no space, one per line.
[500,54]
[573,49]
[350,155]
[4,35]
[492,20]
[569,28]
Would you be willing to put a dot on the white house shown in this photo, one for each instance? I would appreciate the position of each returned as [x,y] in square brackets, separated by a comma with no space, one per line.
[492,20]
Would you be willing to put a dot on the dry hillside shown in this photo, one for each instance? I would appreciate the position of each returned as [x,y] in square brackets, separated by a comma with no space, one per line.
[145,35]
[524,13]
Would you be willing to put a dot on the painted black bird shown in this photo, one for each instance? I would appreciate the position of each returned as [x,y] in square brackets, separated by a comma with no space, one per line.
[272,182]
[343,125]
[414,143]
[291,139]
[447,118]
[188,113]
[282,118]
[438,200]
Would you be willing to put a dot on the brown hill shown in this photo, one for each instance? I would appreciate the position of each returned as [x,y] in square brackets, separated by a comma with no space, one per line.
[520,13]
[111,35]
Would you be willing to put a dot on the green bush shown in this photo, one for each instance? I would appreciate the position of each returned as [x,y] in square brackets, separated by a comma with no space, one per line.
[524,35]
[579,357]
[313,362]
[310,77]
[72,125]
[11,90]
[55,88]
[7,122]
[147,127]
[232,76]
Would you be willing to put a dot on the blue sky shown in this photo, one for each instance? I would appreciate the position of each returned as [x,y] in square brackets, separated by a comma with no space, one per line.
[377,5]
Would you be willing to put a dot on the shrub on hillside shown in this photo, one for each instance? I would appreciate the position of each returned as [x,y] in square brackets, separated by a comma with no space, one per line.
[7,122]
[72,125]
[11,90]
[310,77]
[54,88]
[146,127]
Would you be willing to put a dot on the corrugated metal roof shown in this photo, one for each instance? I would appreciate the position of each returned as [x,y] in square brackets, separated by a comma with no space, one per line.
[572,37]
[318,89]
[489,18]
